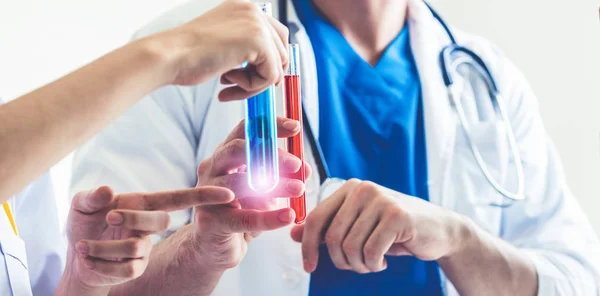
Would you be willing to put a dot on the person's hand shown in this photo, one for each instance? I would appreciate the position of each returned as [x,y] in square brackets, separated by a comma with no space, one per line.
[222,232]
[362,221]
[221,40]
[108,233]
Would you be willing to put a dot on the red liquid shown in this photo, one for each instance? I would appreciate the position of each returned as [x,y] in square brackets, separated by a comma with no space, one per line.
[294,145]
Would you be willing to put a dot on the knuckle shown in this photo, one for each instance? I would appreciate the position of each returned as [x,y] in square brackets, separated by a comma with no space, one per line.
[243,222]
[362,270]
[350,248]
[134,220]
[231,150]
[365,189]
[340,264]
[203,167]
[395,213]
[203,221]
[254,30]
[246,6]
[353,181]
[165,222]
[312,220]
[331,238]
[130,270]
[134,247]
[371,257]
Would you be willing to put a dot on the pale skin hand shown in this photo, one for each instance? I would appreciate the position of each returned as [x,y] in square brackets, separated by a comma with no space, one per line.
[40,128]
[108,234]
[219,41]
[222,243]
[362,222]
[198,254]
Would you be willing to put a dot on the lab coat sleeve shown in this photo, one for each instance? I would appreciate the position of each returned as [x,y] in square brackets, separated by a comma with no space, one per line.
[36,215]
[152,147]
[550,227]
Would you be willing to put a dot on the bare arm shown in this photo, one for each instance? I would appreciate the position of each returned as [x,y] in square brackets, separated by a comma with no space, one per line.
[41,127]
[484,263]
[191,261]
[474,261]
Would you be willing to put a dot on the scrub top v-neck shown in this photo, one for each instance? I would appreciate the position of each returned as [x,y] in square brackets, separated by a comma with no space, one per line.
[370,128]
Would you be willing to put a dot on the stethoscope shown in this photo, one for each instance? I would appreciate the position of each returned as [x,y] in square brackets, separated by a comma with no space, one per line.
[451,57]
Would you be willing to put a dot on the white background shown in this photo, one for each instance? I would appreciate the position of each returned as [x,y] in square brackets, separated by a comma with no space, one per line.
[556,44]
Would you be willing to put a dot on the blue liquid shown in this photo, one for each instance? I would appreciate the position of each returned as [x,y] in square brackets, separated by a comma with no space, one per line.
[261,143]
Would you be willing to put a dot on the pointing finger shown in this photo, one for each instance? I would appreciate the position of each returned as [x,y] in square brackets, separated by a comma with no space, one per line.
[147,221]
[181,199]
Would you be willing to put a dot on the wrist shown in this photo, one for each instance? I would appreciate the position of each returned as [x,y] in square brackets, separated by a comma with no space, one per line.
[463,234]
[162,54]
[184,56]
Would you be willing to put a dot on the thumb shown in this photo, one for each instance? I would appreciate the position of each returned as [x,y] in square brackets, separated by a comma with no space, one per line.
[89,202]
[398,249]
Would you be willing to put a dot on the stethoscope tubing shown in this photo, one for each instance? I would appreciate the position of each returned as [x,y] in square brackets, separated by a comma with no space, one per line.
[448,66]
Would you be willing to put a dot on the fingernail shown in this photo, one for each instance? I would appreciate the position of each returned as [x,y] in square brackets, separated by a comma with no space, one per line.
[285,217]
[295,187]
[291,125]
[307,266]
[114,218]
[88,263]
[82,247]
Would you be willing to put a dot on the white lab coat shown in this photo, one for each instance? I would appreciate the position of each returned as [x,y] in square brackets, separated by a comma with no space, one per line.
[158,144]
[33,262]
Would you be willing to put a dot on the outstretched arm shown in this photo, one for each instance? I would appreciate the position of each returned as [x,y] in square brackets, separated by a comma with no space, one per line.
[41,127]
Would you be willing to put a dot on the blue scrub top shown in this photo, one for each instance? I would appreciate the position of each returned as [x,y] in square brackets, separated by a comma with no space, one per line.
[371,128]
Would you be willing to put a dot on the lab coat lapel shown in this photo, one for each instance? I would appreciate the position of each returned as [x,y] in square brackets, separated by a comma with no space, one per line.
[427,40]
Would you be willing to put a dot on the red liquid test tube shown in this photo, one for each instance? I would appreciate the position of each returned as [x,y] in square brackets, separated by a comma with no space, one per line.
[293,110]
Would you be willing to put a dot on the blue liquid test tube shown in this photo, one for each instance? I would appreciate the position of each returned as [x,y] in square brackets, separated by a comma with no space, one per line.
[261,137]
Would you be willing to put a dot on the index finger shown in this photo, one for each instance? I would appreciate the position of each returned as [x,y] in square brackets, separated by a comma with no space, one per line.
[182,199]
[285,128]
[317,223]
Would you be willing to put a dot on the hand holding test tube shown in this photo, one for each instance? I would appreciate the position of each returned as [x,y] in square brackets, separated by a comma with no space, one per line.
[261,135]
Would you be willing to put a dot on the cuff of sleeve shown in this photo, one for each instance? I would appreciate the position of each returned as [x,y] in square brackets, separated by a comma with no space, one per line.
[548,274]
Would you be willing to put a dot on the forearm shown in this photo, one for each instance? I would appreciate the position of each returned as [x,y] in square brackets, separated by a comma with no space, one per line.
[173,270]
[487,265]
[41,127]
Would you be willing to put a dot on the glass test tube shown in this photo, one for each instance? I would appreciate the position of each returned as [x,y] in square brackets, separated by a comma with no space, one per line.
[293,110]
[261,137]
